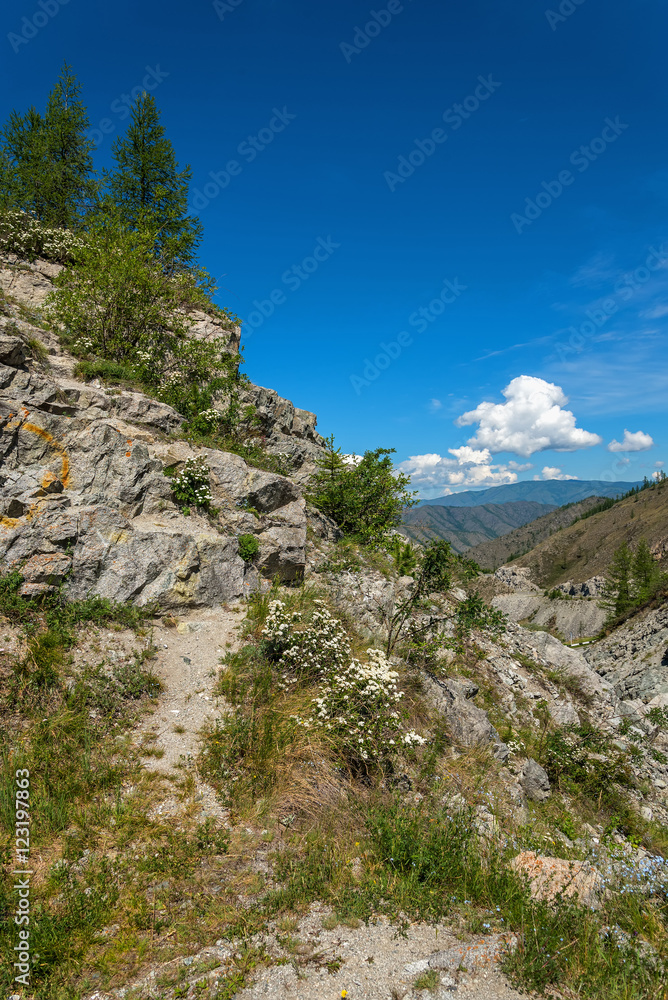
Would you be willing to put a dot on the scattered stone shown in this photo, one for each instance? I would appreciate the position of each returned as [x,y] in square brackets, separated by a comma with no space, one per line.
[535,782]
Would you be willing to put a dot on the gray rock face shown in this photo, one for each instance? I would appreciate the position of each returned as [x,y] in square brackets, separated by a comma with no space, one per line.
[582,618]
[571,661]
[86,503]
[12,351]
[590,588]
[535,782]
[517,577]
[468,724]
[635,658]
[286,430]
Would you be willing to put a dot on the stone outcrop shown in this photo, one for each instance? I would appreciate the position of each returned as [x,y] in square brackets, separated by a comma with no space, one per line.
[635,658]
[285,430]
[85,503]
[534,781]
[468,724]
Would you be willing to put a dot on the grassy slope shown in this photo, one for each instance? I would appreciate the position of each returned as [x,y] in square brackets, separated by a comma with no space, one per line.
[467,526]
[585,549]
[497,551]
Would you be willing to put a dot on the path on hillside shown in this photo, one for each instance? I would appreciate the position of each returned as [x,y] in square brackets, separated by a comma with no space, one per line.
[187,662]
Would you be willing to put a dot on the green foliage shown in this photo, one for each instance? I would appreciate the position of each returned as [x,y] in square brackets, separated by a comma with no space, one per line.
[403,554]
[119,305]
[60,615]
[248,547]
[434,574]
[148,191]
[632,580]
[49,157]
[617,596]
[473,613]
[365,498]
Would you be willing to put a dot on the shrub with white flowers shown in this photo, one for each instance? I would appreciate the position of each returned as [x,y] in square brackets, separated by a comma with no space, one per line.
[311,649]
[359,702]
[191,485]
[359,706]
[27,237]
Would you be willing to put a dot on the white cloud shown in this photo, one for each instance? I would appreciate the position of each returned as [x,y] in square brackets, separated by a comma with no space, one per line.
[532,419]
[552,472]
[432,473]
[656,312]
[516,467]
[633,441]
[435,405]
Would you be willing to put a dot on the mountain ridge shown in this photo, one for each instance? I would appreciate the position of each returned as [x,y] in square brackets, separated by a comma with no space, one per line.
[556,492]
[469,526]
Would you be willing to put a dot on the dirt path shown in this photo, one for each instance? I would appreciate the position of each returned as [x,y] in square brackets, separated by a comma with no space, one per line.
[188,659]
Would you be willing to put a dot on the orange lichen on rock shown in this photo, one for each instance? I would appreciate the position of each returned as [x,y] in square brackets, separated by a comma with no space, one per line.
[551,877]
[57,446]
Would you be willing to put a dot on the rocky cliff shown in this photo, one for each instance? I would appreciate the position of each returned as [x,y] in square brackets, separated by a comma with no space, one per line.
[84,498]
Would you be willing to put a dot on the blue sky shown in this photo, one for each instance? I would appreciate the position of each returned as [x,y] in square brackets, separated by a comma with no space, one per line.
[415,206]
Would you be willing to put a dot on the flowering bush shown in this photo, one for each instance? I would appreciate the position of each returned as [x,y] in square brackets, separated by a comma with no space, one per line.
[27,237]
[359,701]
[191,485]
[306,649]
[359,706]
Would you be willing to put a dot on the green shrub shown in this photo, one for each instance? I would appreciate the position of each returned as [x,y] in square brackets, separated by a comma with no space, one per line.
[365,497]
[120,303]
[191,486]
[248,547]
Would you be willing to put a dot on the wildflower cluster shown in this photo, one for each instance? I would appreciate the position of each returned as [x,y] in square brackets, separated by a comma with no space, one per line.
[27,237]
[359,702]
[191,485]
[360,705]
[312,649]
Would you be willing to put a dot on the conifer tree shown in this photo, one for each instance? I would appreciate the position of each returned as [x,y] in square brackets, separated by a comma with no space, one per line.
[646,572]
[49,157]
[147,190]
[617,596]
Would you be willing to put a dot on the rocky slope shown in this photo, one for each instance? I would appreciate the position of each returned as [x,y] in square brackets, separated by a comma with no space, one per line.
[86,505]
[83,494]
[585,549]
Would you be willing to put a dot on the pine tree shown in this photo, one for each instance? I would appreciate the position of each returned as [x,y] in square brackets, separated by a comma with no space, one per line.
[147,190]
[50,157]
[646,572]
[617,597]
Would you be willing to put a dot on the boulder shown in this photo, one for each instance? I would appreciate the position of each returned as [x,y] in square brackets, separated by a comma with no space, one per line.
[12,351]
[468,724]
[535,782]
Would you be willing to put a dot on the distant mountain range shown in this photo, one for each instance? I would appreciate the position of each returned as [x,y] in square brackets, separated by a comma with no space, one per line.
[470,526]
[554,492]
[497,551]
